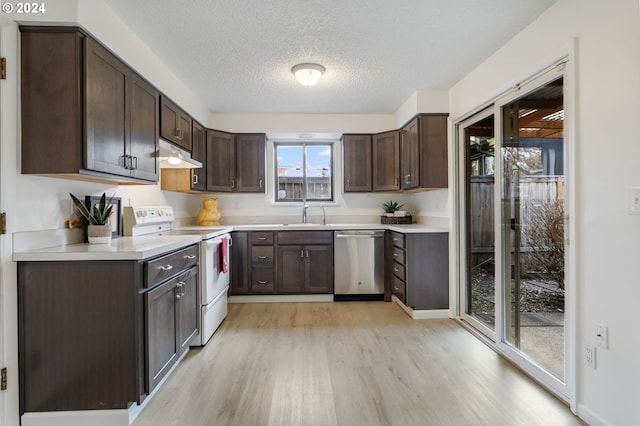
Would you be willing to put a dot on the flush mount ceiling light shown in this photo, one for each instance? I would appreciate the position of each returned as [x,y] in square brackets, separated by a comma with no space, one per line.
[308,74]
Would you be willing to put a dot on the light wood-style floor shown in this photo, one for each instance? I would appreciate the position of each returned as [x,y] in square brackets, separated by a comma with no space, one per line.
[350,363]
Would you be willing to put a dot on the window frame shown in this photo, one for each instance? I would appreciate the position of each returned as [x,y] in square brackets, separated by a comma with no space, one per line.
[305,183]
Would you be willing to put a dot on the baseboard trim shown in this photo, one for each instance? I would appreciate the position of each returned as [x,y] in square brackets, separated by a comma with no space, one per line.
[281,298]
[590,417]
[423,313]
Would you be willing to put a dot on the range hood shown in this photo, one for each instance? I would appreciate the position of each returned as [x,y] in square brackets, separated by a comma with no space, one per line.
[174,157]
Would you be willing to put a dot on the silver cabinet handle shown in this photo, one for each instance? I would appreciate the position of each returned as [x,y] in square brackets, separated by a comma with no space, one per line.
[260,183]
[301,253]
[263,257]
[190,256]
[262,282]
[395,288]
[194,179]
[395,254]
[307,252]
[262,238]
[397,181]
[233,183]
[395,269]
[348,183]
[166,268]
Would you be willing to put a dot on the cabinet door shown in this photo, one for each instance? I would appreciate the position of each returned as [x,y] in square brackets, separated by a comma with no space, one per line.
[221,155]
[250,164]
[386,161]
[410,152]
[143,140]
[187,292]
[106,110]
[291,269]
[171,123]
[239,264]
[356,152]
[161,331]
[184,127]
[318,269]
[433,151]
[198,152]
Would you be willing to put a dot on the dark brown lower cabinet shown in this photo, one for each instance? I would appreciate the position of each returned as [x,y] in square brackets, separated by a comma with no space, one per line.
[172,320]
[286,262]
[417,269]
[98,334]
[304,262]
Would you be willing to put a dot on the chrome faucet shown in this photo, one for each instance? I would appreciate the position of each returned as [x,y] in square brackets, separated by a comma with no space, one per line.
[324,216]
[304,212]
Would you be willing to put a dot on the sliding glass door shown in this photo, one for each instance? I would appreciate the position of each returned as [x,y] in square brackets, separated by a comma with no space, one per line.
[479,292]
[532,201]
[511,180]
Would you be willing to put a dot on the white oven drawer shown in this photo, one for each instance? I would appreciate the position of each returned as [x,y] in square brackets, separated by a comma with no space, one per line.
[212,316]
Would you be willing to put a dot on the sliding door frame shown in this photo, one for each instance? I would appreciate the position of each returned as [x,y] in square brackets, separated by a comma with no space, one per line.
[562,66]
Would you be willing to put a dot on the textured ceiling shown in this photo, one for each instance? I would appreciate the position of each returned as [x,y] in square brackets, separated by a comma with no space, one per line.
[237,54]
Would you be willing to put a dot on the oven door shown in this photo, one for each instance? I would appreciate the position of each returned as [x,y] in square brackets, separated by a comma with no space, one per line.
[214,279]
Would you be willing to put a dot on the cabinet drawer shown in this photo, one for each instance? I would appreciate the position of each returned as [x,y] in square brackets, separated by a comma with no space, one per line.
[262,281]
[305,237]
[262,238]
[398,270]
[398,255]
[397,239]
[262,256]
[398,289]
[163,267]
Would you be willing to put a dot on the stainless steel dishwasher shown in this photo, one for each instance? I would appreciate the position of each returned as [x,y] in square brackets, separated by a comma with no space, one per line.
[359,265]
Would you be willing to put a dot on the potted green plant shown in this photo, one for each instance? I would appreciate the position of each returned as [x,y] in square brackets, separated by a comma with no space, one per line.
[98,217]
[393,215]
[390,207]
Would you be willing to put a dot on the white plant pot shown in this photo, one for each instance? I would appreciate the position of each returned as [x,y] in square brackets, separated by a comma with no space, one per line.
[99,234]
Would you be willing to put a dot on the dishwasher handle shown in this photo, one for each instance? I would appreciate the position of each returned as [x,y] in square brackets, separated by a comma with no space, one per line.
[374,234]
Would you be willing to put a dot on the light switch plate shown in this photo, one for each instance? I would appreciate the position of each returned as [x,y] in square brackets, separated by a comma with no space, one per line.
[633,200]
[601,336]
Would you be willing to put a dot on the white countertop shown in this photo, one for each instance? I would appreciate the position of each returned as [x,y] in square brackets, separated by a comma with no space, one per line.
[405,229]
[124,248]
[143,247]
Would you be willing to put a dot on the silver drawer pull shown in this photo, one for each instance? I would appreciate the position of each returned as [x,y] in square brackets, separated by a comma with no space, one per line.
[166,268]
[395,254]
[395,288]
[190,256]
[395,269]
[262,282]
[262,257]
[262,238]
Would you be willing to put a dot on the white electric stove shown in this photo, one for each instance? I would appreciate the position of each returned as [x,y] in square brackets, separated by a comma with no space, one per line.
[214,262]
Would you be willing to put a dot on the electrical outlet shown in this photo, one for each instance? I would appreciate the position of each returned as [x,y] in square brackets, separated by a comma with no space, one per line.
[590,356]
[601,336]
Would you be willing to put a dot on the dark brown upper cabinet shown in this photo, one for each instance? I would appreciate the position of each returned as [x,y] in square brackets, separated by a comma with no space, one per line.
[221,161]
[386,161]
[250,162]
[235,163]
[85,114]
[356,153]
[423,147]
[199,153]
[175,124]
[410,149]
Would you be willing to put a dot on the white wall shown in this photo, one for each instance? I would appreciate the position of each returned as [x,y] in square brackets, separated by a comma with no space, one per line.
[607,152]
